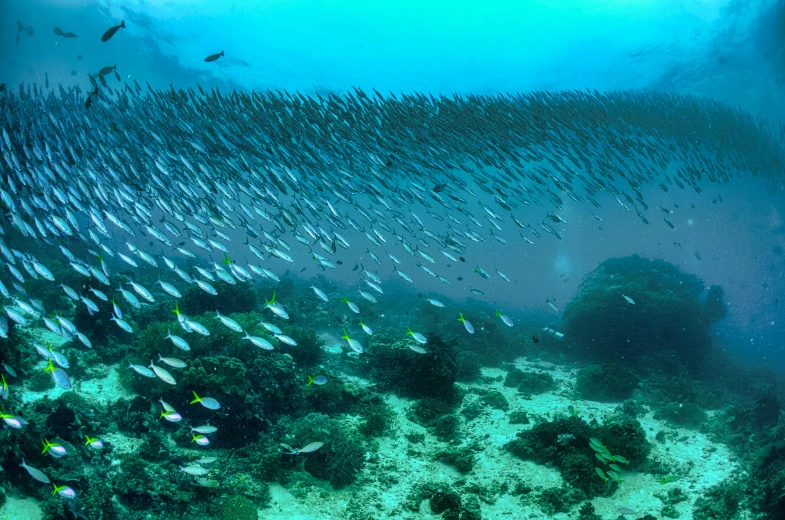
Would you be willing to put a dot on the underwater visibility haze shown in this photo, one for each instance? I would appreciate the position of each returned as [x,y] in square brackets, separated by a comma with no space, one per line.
[416,260]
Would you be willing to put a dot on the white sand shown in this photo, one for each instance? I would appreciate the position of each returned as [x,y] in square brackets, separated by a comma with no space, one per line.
[411,463]
[20,509]
[386,481]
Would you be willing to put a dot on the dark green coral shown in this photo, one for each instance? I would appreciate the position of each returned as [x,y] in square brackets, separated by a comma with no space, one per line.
[606,382]
[667,316]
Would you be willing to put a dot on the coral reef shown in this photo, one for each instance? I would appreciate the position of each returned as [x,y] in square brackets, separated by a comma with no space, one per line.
[606,382]
[343,454]
[397,368]
[461,458]
[237,507]
[667,314]
[688,415]
[565,444]
[529,383]
[722,502]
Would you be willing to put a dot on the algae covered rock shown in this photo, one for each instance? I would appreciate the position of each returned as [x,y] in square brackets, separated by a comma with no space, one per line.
[461,458]
[623,435]
[667,313]
[216,373]
[237,507]
[496,400]
[397,368]
[565,443]
[607,383]
[341,457]
[530,383]
[688,415]
[723,502]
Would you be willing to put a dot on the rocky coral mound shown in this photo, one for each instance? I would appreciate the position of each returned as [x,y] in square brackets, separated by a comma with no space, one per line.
[632,307]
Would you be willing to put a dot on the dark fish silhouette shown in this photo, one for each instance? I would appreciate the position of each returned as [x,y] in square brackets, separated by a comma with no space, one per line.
[106,70]
[59,32]
[110,32]
[90,97]
[213,57]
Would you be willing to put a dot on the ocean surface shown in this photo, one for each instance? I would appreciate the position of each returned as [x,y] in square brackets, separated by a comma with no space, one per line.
[416,260]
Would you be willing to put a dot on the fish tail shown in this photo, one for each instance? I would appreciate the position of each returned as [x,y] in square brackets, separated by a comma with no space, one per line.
[196,399]
[122,24]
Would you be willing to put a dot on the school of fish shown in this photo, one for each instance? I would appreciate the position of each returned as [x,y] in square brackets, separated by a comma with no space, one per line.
[212,188]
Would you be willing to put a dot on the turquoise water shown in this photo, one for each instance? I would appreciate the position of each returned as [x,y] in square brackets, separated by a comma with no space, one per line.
[391,260]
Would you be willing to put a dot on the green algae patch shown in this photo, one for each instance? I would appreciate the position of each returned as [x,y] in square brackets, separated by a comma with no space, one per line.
[237,507]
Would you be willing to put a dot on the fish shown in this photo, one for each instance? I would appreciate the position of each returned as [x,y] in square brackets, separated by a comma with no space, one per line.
[204,429]
[466,324]
[353,343]
[322,296]
[94,442]
[505,319]
[318,380]
[8,369]
[201,440]
[353,306]
[63,491]
[162,374]
[285,339]
[54,449]
[194,470]
[59,375]
[308,448]
[172,362]
[178,341]
[214,57]
[416,348]
[628,299]
[368,330]
[259,342]
[416,336]
[122,324]
[229,323]
[111,31]
[207,402]
[36,473]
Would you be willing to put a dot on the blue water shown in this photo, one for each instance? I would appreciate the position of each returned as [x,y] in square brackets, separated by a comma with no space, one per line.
[731,235]
[731,51]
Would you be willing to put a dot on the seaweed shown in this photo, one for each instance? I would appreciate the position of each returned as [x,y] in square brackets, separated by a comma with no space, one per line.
[566,444]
